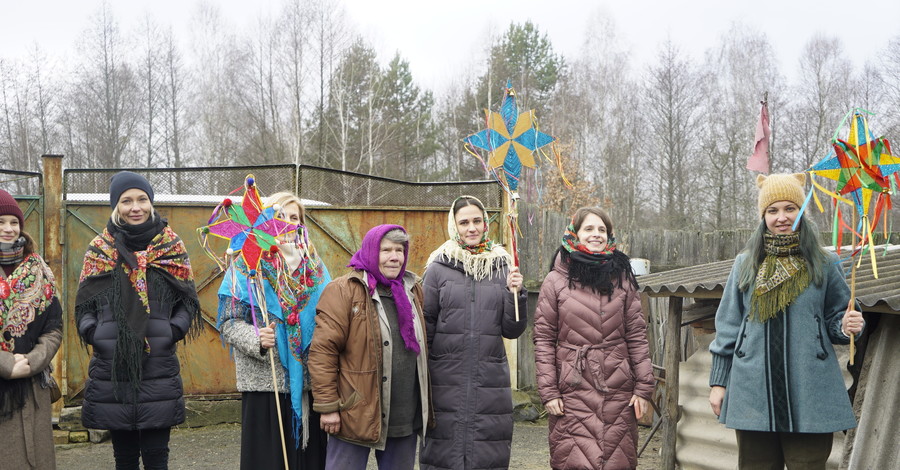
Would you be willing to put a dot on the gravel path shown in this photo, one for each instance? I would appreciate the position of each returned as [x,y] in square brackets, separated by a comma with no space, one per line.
[218,448]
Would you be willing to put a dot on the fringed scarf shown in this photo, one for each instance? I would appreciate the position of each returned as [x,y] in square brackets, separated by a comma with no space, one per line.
[292,284]
[601,272]
[25,296]
[124,265]
[367,259]
[479,261]
[12,253]
[782,276]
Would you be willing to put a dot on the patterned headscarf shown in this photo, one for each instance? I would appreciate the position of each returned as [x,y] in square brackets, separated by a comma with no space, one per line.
[367,259]
[600,272]
[479,261]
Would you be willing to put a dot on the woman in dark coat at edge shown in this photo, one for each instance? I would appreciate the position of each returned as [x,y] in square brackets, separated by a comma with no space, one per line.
[469,309]
[31,327]
[136,300]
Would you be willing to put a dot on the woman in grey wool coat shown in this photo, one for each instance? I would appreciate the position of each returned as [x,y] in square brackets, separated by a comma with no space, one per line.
[775,378]
[469,283]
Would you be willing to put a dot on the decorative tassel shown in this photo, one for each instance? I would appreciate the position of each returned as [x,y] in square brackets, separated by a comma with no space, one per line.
[766,306]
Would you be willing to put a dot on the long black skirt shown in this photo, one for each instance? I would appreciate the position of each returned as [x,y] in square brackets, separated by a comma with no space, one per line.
[261,444]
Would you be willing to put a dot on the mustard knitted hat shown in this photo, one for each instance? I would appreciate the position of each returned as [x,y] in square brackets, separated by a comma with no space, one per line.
[780,187]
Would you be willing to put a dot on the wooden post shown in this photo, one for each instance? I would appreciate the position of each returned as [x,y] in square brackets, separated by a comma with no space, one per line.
[511,345]
[51,193]
[671,362]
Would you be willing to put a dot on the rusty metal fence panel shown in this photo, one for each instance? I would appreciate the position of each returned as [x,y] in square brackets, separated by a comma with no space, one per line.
[342,207]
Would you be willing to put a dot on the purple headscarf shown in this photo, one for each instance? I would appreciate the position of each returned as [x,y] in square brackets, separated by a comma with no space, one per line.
[367,259]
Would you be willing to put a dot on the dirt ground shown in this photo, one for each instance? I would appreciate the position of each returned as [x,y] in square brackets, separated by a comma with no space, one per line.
[218,448]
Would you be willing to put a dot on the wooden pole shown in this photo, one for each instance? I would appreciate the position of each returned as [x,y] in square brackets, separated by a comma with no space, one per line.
[671,362]
[262,306]
[511,345]
[850,307]
[510,235]
[853,286]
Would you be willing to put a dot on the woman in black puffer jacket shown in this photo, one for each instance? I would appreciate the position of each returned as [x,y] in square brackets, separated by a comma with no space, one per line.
[136,299]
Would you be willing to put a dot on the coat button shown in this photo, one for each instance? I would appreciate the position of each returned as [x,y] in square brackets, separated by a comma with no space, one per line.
[387,343]
[384,379]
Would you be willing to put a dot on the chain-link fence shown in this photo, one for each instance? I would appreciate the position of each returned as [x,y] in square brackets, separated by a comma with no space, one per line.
[317,186]
[21,183]
[182,185]
[342,188]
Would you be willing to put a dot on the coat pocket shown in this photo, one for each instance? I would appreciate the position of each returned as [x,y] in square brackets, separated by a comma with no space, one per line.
[597,369]
[742,333]
[568,379]
[821,335]
[351,387]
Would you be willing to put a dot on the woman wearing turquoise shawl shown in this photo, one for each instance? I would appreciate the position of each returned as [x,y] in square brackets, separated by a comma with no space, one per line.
[294,276]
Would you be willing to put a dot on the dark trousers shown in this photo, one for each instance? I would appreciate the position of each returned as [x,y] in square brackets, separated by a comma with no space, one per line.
[399,454]
[760,450]
[261,442]
[151,445]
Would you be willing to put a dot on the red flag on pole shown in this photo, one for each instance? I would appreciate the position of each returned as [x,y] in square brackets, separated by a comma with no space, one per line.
[759,160]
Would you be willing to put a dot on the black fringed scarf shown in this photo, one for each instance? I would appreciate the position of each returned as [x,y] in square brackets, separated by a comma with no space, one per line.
[124,265]
[601,272]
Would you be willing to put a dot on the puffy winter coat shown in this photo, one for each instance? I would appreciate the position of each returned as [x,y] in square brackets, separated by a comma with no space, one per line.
[159,403]
[350,358]
[815,399]
[466,322]
[592,352]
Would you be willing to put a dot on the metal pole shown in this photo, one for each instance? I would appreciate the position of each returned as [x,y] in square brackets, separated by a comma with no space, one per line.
[51,196]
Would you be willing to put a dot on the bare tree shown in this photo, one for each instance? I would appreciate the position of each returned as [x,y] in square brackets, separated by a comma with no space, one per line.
[216,59]
[104,95]
[330,40]
[175,89]
[671,110]
[823,95]
[596,111]
[738,73]
[150,84]
[295,26]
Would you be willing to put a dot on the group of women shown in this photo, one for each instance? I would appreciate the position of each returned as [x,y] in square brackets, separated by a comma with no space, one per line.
[136,299]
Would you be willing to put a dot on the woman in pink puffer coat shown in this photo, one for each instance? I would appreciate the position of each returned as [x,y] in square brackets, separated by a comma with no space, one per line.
[593,360]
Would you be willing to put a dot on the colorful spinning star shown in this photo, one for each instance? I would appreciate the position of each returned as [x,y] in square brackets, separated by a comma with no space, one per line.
[510,138]
[250,228]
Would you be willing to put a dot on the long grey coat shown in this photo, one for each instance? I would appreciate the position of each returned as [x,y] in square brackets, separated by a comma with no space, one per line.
[28,433]
[466,322]
[817,401]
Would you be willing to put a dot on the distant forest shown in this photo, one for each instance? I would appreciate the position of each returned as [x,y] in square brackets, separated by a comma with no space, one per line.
[661,145]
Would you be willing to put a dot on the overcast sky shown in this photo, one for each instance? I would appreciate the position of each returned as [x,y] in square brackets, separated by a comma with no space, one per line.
[442,39]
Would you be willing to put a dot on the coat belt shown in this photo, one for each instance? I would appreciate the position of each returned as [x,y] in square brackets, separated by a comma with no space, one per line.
[581,352]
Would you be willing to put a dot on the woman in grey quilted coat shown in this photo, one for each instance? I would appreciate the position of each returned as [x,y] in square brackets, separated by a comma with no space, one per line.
[590,340]
[469,284]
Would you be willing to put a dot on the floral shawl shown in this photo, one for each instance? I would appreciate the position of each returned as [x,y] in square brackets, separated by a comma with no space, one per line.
[163,270]
[290,301]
